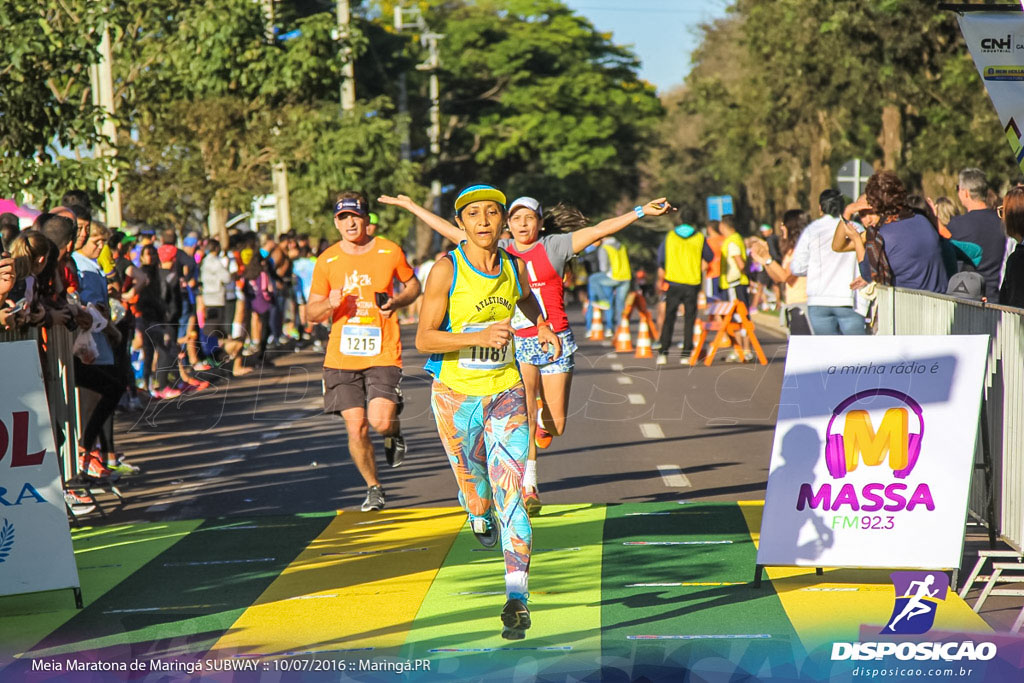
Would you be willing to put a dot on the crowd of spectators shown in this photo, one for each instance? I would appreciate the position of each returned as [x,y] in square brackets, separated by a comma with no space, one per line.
[891,237]
[150,314]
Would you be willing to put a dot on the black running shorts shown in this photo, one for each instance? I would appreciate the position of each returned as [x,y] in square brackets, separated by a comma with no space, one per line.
[345,389]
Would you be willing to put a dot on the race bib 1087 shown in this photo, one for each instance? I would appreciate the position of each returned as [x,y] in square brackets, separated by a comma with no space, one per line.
[483,357]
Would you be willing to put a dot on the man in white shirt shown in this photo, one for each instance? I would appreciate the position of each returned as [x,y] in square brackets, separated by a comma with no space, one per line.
[830,304]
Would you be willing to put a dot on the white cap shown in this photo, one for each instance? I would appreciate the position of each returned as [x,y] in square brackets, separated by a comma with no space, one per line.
[529,203]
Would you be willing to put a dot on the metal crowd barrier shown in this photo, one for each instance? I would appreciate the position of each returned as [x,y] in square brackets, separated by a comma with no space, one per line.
[59,378]
[996,499]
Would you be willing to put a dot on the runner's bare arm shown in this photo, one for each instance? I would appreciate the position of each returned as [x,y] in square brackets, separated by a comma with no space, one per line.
[430,338]
[549,341]
[450,232]
[584,237]
[320,307]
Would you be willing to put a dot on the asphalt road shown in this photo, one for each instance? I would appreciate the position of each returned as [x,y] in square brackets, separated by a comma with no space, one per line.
[260,444]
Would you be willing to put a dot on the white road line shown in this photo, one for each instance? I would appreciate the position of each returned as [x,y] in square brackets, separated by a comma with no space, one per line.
[622,379]
[651,430]
[676,542]
[686,583]
[137,610]
[673,476]
[636,399]
[214,562]
[616,367]
[314,597]
[376,552]
[710,636]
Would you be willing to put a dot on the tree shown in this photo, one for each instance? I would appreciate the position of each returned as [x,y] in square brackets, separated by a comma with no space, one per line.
[46,53]
[535,99]
[779,110]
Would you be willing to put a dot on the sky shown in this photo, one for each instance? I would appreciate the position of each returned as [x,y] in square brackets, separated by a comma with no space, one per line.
[662,32]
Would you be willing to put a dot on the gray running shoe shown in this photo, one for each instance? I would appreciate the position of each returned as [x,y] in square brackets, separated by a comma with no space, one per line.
[485,530]
[374,499]
[395,449]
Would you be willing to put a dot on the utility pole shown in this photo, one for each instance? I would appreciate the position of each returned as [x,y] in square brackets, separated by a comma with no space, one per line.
[433,63]
[403,110]
[348,82]
[102,79]
[406,19]
[278,171]
[411,18]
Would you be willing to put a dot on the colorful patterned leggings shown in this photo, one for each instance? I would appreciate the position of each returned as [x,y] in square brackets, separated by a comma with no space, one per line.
[487,439]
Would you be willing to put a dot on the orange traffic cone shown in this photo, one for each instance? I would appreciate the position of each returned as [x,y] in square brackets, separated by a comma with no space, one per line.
[623,342]
[596,326]
[643,340]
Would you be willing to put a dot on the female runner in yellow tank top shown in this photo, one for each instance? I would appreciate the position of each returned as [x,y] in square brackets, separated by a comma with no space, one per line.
[477,397]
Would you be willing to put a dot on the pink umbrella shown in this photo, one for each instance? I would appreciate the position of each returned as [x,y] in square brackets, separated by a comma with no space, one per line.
[25,213]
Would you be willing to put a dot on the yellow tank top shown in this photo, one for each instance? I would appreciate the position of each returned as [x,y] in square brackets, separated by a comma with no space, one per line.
[729,269]
[618,259]
[475,301]
[683,257]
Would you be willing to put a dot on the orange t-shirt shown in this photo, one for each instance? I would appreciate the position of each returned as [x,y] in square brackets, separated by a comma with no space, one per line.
[360,336]
[715,267]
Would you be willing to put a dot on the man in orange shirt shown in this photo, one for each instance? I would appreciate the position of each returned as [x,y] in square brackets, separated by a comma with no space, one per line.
[714,240]
[353,286]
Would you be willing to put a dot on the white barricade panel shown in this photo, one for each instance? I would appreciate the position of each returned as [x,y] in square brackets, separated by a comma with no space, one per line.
[873,452]
[35,540]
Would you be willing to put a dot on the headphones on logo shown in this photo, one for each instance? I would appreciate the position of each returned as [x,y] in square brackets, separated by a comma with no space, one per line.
[835,450]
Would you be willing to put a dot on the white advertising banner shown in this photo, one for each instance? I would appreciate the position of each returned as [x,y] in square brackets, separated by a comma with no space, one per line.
[35,541]
[996,42]
[874,451]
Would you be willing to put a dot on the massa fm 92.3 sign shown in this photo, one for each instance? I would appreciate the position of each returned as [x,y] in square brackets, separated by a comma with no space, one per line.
[35,542]
[873,452]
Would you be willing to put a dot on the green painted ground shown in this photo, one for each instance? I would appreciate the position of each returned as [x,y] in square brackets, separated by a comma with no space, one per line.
[677,626]
[459,619]
[180,601]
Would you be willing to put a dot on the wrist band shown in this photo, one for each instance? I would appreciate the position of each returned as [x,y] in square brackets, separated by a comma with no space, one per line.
[639,211]
[541,322]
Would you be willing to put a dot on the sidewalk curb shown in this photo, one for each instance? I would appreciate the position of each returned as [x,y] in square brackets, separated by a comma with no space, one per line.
[768,323]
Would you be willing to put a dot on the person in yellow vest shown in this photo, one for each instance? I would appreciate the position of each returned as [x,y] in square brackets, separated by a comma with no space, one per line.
[615,275]
[734,280]
[682,261]
[478,397]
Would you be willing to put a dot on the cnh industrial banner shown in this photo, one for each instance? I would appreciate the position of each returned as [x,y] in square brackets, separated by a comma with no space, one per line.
[996,42]
[873,453]
[35,541]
